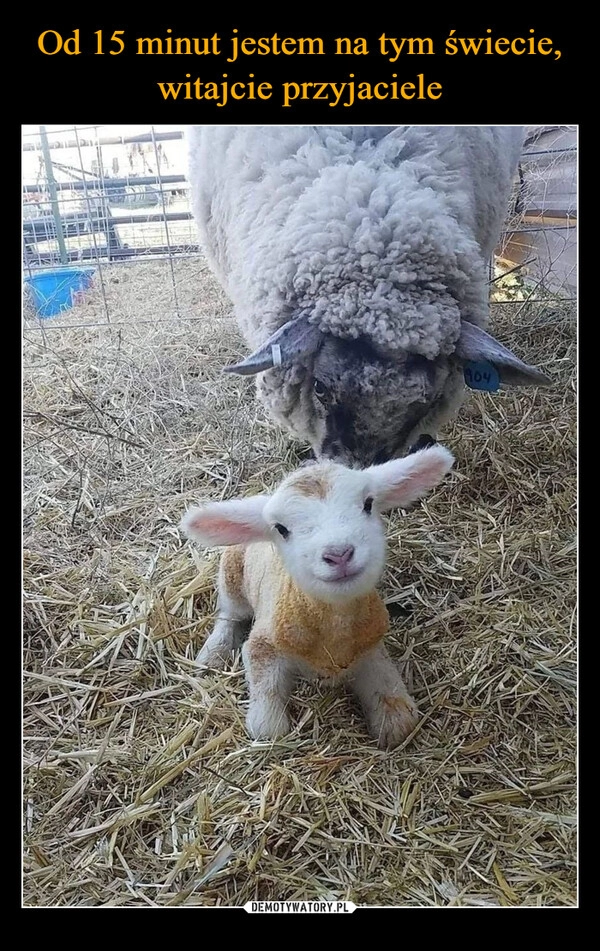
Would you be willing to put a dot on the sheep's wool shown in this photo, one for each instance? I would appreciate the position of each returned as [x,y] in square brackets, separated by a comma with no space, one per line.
[376,232]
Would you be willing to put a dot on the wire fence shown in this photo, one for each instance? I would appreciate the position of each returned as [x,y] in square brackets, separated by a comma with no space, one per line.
[116,198]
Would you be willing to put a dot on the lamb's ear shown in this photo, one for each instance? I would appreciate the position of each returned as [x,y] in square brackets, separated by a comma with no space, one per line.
[398,483]
[290,343]
[474,344]
[227,523]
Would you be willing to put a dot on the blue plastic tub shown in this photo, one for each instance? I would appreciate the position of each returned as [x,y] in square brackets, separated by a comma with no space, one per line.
[53,291]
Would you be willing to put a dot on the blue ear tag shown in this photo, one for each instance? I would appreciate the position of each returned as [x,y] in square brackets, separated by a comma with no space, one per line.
[481,375]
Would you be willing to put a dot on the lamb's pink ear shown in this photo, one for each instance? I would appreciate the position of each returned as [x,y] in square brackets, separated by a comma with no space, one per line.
[398,483]
[228,523]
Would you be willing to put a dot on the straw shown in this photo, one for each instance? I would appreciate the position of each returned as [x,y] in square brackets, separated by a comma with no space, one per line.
[141,786]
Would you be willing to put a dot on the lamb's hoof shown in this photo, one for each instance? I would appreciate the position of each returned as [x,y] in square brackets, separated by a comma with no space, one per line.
[215,657]
[395,720]
[267,722]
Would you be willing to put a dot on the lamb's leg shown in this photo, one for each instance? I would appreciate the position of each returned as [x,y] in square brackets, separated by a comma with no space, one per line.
[234,613]
[390,711]
[227,634]
[271,679]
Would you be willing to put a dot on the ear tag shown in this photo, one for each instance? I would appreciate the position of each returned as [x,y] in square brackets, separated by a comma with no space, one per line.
[481,375]
[276,354]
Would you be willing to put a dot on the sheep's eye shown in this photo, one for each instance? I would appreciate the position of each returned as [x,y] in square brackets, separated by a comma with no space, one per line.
[368,506]
[321,391]
[283,531]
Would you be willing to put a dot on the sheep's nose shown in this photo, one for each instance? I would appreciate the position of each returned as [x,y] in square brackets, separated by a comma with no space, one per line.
[339,555]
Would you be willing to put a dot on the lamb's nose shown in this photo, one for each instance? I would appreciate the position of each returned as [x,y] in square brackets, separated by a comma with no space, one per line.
[338,555]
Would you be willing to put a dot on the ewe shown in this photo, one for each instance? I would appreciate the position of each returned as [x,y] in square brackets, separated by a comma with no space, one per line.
[356,259]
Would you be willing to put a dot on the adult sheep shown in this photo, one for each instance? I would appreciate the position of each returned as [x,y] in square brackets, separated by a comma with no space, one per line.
[356,259]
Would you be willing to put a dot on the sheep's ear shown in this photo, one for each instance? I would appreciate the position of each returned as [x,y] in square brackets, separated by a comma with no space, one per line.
[475,345]
[227,523]
[398,483]
[290,343]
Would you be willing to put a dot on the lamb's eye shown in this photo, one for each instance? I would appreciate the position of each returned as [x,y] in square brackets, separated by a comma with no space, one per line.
[283,531]
[321,392]
[368,506]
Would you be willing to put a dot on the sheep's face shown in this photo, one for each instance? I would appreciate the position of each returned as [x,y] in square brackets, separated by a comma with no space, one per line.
[359,405]
[359,408]
[367,409]
[325,520]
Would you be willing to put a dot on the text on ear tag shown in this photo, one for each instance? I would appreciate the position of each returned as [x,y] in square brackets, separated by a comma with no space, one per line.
[481,375]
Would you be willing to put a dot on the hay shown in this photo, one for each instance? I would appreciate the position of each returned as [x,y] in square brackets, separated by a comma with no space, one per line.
[141,785]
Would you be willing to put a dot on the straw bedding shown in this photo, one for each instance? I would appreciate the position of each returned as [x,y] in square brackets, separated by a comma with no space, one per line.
[141,787]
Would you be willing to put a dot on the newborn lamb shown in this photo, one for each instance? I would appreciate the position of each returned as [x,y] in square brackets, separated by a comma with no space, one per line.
[304,563]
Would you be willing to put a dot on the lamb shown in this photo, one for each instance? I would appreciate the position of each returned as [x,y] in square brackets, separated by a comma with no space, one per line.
[356,259]
[304,563]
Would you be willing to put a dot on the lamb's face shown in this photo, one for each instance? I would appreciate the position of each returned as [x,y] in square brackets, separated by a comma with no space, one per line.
[325,523]
[324,520]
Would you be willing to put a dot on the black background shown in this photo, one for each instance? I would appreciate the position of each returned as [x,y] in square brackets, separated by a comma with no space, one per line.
[478,90]
[482,89]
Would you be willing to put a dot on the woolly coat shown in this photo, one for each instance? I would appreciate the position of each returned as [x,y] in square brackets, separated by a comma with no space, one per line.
[377,231]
